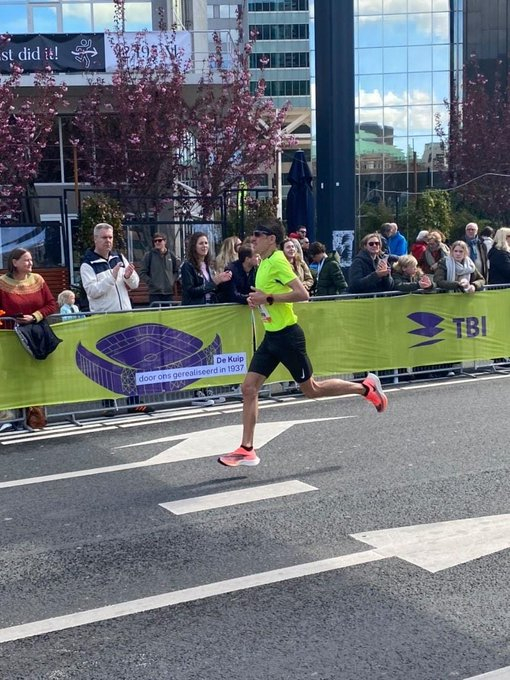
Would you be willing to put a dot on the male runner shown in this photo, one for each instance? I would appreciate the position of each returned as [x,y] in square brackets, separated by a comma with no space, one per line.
[276,288]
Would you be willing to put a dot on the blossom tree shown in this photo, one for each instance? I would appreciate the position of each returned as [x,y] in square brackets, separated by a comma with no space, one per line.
[477,145]
[147,135]
[26,124]
[236,130]
[130,134]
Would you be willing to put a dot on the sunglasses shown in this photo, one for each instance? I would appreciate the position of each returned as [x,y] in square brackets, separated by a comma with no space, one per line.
[373,243]
[262,232]
[158,240]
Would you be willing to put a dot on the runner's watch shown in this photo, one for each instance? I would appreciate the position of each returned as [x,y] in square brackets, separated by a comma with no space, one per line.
[269,299]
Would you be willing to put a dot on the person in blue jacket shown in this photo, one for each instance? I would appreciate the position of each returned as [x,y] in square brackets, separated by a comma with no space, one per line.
[395,241]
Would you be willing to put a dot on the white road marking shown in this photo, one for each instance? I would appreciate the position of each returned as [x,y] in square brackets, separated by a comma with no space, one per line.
[39,436]
[238,497]
[155,419]
[500,674]
[202,437]
[171,599]
[443,544]
[477,530]
[190,446]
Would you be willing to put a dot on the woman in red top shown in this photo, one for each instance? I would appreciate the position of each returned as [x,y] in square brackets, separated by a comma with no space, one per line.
[24,293]
[26,296]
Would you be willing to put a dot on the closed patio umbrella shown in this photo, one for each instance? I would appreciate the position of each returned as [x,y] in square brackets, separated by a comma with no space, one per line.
[300,200]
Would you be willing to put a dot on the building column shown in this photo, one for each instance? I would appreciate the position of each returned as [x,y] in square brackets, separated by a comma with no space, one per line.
[334,77]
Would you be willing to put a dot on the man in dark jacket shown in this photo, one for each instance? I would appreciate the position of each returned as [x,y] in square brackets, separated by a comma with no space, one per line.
[243,277]
[329,278]
[159,270]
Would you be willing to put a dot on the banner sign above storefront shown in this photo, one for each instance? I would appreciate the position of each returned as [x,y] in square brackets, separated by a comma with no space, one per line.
[85,52]
[62,52]
[137,50]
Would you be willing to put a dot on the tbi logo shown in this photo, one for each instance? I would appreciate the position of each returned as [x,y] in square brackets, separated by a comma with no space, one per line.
[465,327]
[429,327]
[471,326]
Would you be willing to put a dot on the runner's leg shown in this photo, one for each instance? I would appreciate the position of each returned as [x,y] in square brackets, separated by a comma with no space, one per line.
[333,387]
[250,389]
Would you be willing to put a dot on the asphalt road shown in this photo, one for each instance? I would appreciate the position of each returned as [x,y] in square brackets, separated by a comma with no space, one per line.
[83,532]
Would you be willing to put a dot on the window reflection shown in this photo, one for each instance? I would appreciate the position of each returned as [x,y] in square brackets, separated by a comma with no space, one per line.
[14,19]
[397,150]
[44,19]
[420,87]
[372,84]
[76,17]
[440,86]
[395,59]
[398,6]
[421,120]
[441,28]
[370,61]
[420,58]
[420,29]
[441,57]
[395,31]
[363,7]
[396,85]
[370,33]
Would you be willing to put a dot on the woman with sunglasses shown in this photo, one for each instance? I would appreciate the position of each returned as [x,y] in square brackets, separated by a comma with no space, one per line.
[199,281]
[370,271]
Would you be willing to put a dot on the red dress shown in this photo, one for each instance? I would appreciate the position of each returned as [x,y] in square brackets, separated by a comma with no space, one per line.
[30,296]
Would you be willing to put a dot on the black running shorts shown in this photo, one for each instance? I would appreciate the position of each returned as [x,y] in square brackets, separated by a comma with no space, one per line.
[287,347]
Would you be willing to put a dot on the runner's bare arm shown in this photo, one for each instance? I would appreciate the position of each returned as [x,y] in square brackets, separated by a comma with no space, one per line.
[297,294]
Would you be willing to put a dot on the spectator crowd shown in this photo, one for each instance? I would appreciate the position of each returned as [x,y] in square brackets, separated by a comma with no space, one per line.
[384,262]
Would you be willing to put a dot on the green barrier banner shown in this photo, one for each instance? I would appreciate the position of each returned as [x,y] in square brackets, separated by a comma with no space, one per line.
[120,355]
[153,352]
[347,336]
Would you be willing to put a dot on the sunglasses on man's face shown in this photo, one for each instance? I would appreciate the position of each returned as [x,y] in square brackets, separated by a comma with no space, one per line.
[159,240]
[262,232]
[373,243]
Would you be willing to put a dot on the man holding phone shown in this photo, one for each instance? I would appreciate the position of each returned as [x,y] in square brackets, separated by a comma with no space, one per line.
[106,275]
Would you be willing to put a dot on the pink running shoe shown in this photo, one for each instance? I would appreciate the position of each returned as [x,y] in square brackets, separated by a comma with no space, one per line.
[375,392]
[240,457]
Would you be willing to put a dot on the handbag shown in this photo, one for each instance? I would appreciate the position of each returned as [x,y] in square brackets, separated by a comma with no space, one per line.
[36,417]
[38,339]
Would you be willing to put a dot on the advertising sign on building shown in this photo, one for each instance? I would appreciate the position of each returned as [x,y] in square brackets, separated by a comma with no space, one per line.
[71,52]
[137,47]
[86,52]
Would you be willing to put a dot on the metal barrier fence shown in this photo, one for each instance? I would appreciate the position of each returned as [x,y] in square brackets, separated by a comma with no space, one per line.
[77,412]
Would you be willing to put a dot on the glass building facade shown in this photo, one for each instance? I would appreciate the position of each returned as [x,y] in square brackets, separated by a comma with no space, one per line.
[407,57]
[83,16]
